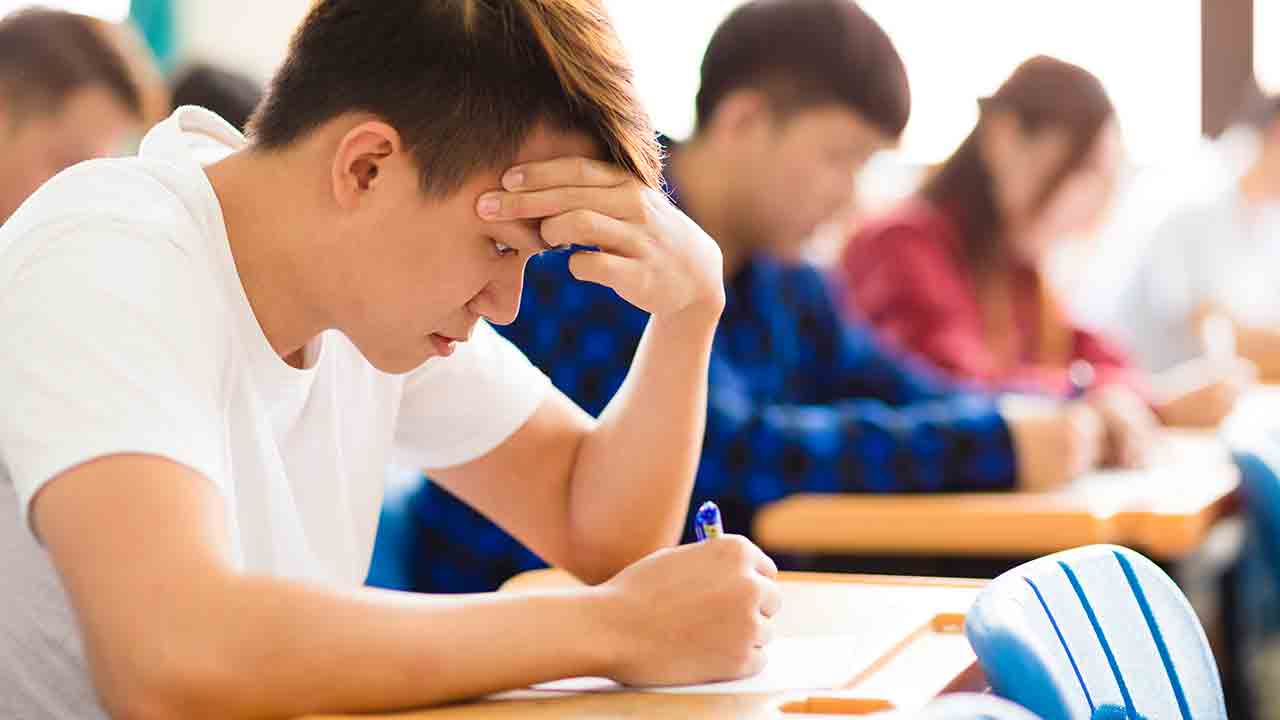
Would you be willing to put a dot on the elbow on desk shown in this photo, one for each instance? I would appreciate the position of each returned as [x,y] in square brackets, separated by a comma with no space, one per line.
[598,561]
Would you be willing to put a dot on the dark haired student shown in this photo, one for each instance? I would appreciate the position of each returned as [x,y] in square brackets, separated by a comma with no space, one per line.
[213,350]
[67,94]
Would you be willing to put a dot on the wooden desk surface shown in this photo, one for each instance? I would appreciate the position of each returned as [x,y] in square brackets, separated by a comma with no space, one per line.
[926,664]
[1165,511]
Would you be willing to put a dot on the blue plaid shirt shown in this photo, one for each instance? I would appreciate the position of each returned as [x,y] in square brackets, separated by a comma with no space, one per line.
[799,402]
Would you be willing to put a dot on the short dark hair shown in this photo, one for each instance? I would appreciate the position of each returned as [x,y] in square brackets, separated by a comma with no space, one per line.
[803,53]
[231,95]
[45,55]
[462,81]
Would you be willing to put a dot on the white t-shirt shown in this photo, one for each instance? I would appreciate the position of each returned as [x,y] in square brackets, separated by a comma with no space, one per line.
[126,330]
[1223,251]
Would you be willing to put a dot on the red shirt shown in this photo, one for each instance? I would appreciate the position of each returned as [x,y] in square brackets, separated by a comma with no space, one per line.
[904,274]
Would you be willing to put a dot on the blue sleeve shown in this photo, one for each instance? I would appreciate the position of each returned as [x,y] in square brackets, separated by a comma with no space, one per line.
[582,335]
[853,362]
[758,453]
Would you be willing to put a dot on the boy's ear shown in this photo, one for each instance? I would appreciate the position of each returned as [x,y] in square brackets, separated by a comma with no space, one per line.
[360,159]
[742,112]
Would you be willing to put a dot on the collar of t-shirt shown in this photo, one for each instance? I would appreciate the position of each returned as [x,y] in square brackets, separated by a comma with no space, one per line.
[189,139]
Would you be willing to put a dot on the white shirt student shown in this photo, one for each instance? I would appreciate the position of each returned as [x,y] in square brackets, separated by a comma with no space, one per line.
[213,350]
[1215,257]
[1221,255]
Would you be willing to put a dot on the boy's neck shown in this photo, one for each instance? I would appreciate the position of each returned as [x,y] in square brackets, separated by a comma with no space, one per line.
[266,224]
[698,170]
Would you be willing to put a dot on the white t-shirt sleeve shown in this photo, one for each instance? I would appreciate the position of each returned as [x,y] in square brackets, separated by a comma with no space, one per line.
[458,408]
[106,351]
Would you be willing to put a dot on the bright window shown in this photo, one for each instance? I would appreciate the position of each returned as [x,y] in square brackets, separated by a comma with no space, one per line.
[1147,53]
[1266,44]
[112,10]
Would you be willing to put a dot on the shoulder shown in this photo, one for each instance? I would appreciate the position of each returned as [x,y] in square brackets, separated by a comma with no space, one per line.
[104,249]
[914,235]
[130,190]
[798,277]
[914,218]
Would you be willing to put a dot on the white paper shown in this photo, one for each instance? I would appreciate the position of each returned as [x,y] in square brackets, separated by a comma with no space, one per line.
[1112,491]
[795,663]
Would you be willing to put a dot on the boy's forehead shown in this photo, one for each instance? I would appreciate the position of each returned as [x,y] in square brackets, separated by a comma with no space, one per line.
[543,143]
[546,142]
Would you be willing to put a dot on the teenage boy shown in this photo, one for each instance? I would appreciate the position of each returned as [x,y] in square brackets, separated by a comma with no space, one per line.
[213,350]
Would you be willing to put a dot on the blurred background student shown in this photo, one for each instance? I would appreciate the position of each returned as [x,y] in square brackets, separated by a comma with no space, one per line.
[1214,259]
[956,274]
[230,95]
[72,88]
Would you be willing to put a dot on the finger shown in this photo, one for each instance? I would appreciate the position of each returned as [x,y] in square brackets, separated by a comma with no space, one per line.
[765,565]
[756,661]
[771,600]
[564,171]
[606,269]
[617,202]
[765,633]
[587,227]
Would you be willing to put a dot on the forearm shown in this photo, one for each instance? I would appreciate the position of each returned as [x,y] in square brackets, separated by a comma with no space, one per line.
[284,649]
[1261,346]
[858,446]
[636,468]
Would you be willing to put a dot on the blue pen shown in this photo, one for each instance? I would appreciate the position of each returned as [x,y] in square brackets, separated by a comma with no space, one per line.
[573,248]
[707,522]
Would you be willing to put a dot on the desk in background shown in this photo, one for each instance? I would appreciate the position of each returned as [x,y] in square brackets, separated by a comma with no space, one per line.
[1166,512]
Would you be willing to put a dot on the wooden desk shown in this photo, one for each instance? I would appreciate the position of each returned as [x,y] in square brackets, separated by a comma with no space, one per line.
[1166,512]
[929,662]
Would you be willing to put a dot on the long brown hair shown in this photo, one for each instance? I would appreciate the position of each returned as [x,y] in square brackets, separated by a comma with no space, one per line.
[1042,93]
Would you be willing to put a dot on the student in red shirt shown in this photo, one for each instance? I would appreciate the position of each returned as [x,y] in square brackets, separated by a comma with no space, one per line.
[955,274]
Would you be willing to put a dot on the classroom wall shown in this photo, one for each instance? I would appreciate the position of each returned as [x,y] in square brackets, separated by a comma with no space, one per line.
[246,35]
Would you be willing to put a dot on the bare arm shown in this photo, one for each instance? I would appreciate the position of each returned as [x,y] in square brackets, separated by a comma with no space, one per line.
[171,629]
[594,496]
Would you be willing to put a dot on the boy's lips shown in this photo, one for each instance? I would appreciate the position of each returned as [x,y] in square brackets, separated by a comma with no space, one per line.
[444,344]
